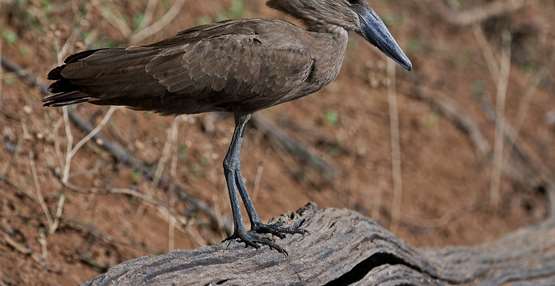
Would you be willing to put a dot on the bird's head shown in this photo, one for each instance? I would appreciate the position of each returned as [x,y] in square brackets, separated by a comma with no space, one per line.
[352,15]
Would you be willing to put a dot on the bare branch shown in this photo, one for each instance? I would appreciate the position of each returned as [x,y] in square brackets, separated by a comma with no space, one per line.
[160,24]
[171,143]
[92,134]
[475,15]
[498,154]
[148,14]
[115,20]
[38,192]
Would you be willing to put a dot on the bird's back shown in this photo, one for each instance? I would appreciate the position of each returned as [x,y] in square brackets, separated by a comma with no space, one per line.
[241,65]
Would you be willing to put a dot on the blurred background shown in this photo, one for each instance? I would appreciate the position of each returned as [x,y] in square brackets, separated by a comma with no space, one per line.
[458,152]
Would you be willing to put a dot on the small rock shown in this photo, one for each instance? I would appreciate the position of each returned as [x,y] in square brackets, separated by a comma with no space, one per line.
[139,145]
[27,109]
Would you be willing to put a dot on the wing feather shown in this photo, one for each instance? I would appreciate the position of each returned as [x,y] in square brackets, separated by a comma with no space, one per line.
[225,66]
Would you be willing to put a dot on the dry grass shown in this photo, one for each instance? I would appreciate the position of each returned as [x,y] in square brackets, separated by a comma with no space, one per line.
[395,141]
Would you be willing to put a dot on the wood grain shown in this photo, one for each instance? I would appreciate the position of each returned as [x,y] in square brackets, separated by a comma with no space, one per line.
[345,248]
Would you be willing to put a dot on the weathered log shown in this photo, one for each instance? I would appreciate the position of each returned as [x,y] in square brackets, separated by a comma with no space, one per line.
[345,248]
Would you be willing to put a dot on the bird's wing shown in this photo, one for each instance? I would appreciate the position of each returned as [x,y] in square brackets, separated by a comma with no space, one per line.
[233,63]
[205,68]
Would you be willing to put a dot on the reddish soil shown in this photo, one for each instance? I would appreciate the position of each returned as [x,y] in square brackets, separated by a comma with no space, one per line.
[445,181]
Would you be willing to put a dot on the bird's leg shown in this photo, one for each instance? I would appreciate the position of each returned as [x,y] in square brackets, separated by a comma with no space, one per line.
[276,229]
[232,164]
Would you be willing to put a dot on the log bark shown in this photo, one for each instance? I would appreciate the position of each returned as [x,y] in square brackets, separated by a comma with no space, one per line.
[345,248]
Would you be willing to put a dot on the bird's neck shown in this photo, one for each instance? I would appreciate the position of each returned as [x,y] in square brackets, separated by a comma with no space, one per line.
[329,43]
[324,28]
[330,35]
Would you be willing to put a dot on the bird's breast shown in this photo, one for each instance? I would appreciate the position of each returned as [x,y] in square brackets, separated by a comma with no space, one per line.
[328,54]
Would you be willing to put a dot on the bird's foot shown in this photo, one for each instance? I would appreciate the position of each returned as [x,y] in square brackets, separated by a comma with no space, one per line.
[255,240]
[277,229]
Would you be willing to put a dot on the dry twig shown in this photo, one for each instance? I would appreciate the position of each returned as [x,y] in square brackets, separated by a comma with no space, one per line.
[25,250]
[148,15]
[40,197]
[169,146]
[487,52]
[15,245]
[160,24]
[475,15]
[395,141]
[59,213]
[145,29]
[92,134]
[165,211]
[114,18]
[498,155]
[90,231]
[524,104]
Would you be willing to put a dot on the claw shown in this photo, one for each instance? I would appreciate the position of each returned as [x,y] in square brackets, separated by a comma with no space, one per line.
[255,241]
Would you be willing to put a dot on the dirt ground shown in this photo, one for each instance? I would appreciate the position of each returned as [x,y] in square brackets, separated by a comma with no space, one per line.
[51,234]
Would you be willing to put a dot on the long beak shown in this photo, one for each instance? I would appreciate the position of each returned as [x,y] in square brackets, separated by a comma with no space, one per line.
[375,31]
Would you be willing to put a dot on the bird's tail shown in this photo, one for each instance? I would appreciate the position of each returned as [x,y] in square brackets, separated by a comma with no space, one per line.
[99,76]
[63,91]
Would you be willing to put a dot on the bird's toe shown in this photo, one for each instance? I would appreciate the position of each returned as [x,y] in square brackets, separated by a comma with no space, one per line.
[256,241]
[277,229]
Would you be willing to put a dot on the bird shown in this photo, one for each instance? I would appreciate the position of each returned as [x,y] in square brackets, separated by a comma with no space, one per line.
[235,66]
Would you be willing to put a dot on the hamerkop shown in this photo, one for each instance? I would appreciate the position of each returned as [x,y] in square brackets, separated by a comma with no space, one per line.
[237,66]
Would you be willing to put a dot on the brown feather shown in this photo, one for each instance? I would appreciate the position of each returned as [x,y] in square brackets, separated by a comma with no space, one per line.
[240,65]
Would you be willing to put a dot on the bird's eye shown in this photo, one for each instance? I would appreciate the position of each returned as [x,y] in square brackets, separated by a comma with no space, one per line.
[353,2]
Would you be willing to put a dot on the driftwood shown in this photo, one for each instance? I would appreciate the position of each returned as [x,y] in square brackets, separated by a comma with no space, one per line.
[345,248]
